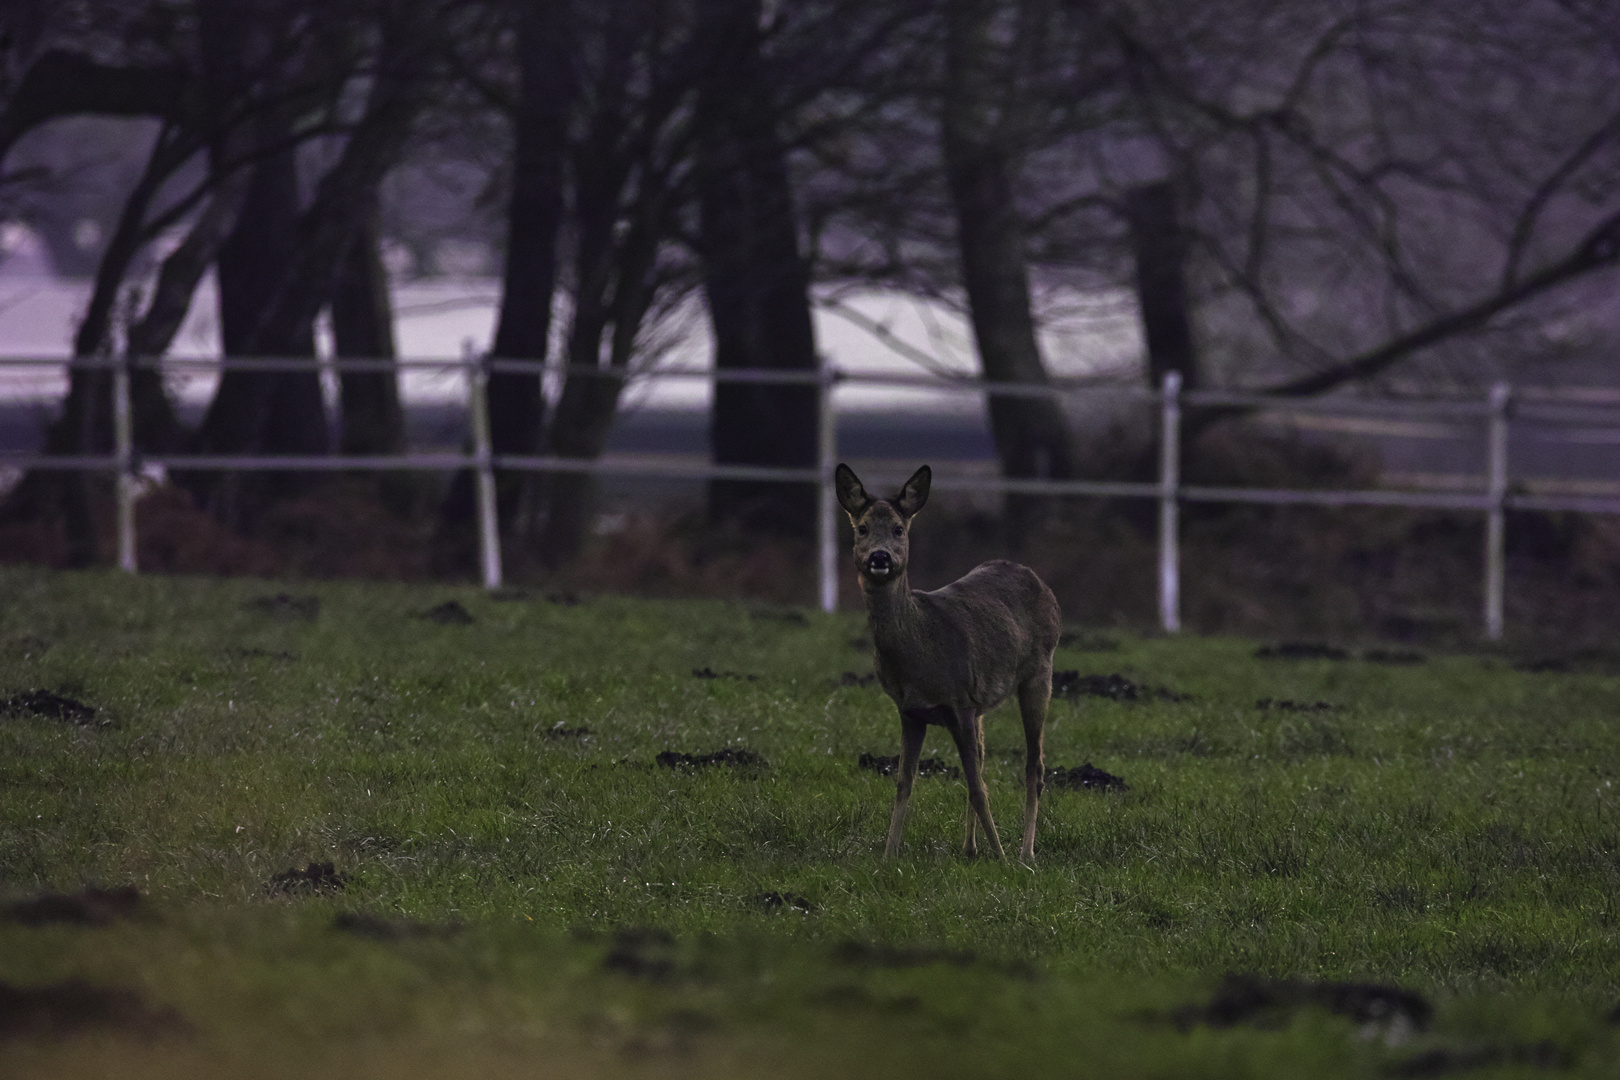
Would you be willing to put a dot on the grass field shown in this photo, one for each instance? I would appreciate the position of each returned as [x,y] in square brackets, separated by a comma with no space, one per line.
[520,888]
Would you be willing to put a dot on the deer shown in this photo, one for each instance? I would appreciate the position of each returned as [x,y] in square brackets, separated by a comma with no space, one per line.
[949,656]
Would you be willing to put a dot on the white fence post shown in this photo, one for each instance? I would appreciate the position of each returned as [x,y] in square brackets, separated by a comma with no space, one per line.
[826,496]
[1169,483]
[489,535]
[1496,450]
[124,440]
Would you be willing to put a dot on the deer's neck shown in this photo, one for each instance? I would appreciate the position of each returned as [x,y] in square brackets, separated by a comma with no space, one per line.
[893,612]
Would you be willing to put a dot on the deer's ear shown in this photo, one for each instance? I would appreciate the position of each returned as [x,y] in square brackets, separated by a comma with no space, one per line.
[915,492]
[852,495]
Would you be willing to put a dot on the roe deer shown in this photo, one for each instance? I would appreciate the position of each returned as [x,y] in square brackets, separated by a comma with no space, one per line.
[947,657]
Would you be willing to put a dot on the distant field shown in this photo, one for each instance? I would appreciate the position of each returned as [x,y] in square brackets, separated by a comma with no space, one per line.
[520,887]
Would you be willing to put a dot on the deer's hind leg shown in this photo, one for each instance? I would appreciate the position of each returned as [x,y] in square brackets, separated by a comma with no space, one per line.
[969,735]
[1033,698]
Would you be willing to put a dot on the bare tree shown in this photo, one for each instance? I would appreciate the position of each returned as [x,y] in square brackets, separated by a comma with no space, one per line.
[980,107]
[756,282]
[1386,182]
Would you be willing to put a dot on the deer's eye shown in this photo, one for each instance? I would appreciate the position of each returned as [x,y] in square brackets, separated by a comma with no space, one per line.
[899,531]
[861,529]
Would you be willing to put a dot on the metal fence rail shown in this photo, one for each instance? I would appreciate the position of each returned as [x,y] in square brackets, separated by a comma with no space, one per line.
[1494,499]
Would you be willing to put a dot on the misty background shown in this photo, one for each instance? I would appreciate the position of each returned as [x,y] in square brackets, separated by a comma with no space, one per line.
[1387,198]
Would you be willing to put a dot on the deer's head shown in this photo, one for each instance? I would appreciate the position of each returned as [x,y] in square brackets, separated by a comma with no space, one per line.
[882,526]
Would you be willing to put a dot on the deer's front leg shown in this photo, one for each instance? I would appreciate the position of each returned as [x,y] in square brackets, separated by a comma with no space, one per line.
[971,749]
[912,730]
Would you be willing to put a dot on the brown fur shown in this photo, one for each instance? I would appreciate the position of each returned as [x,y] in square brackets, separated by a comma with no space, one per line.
[948,656]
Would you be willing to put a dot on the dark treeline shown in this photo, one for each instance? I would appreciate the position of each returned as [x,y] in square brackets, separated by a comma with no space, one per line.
[1299,196]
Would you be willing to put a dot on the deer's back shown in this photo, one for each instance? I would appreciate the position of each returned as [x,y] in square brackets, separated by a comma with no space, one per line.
[977,639]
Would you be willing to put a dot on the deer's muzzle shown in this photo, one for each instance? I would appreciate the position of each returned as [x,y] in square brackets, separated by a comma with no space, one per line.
[880,564]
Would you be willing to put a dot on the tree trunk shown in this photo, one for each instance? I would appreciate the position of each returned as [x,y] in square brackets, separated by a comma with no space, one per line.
[534,220]
[1161,291]
[757,284]
[85,423]
[1031,435]
[259,411]
[373,421]
[280,266]
[535,211]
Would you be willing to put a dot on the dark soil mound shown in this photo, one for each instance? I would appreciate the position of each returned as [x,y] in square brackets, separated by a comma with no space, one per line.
[786,616]
[89,906]
[734,756]
[1072,685]
[1250,999]
[449,613]
[886,764]
[49,705]
[1301,650]
[1285,705]
[287,607]
[68,1008]
[278,655]
[1397,657]
[778,901]
[314,878]
[710,673]
[1085,778]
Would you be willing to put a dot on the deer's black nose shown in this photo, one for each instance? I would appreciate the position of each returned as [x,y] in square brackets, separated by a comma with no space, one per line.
[880,564]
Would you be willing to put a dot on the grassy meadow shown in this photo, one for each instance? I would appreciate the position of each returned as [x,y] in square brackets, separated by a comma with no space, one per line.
[519,887]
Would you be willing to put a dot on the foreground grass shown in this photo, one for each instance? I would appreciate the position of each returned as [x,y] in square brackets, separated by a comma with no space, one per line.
[1449,826]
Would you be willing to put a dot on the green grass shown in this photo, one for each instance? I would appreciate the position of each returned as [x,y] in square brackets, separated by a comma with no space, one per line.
[1452,827]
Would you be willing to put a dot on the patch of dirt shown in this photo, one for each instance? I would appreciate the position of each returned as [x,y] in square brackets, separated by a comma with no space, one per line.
[286,607]
[779,901]
[734,756]
[1442,1061]
[314,878]
[510,594]
[1285,705]
[560,730]
[786,616]
[89,906]
[1081,641]
[1272,1002]
[48,705]
[641,951]
[886,764]
[710,673]
[67,1008]
[449,613]
[279,655]
[1396,657]
[1085,778]
[379,928]
[850,678]
[1071,685]
[1301,650]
